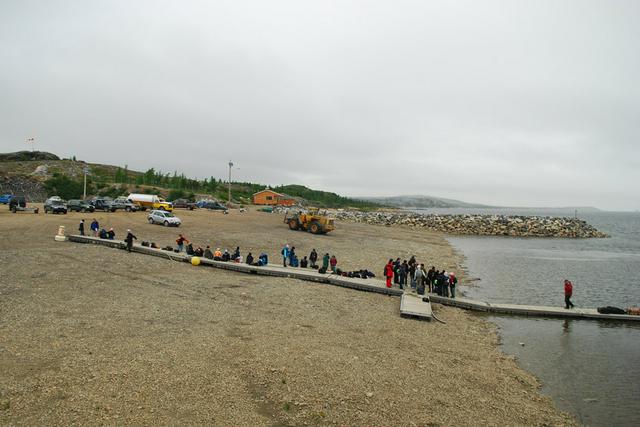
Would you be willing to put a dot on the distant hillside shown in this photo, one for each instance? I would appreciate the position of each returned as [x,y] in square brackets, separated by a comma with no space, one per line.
[422,202]
[323,198]
[39,174]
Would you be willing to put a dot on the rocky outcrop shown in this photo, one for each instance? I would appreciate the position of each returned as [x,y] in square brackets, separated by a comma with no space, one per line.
[32,189]
[21,156]
[480,225]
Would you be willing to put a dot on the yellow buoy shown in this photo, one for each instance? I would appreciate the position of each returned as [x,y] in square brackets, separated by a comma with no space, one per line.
[195,260]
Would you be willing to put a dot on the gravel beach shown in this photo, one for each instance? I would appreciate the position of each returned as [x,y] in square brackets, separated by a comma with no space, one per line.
[91,335]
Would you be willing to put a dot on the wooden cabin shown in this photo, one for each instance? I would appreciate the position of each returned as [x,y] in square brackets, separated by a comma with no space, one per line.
[270,197]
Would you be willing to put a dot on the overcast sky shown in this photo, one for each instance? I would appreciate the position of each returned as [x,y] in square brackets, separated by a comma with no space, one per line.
[519,103]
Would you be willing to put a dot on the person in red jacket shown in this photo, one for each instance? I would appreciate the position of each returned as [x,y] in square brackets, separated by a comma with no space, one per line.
[568,291]
[388,272]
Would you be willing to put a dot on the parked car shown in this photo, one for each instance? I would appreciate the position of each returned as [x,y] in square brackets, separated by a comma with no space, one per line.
[211,204]
[55,206]
[102,204]
[163,217]
[5,198]
[79,206]
[125,204]
[184,203]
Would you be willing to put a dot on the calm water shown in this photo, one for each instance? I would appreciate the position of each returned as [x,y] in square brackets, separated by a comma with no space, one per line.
[590,368]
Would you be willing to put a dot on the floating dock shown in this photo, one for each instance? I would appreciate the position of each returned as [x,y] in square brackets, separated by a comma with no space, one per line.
[531,310]
[410,304]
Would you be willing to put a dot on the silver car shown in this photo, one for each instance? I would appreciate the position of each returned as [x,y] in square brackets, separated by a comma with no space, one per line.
[163,217]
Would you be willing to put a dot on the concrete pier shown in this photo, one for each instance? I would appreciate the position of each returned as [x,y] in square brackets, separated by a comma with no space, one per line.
[409,307]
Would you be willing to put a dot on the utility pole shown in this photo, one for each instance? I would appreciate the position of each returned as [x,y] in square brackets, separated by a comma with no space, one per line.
[229,196]
[86,171]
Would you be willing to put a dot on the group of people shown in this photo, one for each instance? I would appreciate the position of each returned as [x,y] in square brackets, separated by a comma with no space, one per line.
[414,275]
[96,231]
[328,261]
[184,245]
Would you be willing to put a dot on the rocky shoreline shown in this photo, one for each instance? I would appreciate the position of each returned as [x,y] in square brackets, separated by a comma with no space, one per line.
[480,225]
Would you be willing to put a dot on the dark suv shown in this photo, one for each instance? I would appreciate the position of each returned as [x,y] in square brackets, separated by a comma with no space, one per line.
[102,205]
[79,206]
[55,206]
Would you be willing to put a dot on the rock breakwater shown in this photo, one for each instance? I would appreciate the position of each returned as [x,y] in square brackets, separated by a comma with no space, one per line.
[480,225]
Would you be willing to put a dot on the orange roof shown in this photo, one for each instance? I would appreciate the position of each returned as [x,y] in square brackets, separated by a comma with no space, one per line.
[266,190]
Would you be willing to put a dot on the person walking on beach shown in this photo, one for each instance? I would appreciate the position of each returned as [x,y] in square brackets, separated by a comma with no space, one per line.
[313,257]
[285,255]
[81,227]
[568,292]
[388,272]
[129,240]
[95,227]
[180,241]
[333,262]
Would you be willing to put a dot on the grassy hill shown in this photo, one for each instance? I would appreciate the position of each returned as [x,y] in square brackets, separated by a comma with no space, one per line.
[64,177]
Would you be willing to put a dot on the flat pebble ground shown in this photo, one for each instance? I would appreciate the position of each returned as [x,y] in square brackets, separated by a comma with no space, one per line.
[91,335]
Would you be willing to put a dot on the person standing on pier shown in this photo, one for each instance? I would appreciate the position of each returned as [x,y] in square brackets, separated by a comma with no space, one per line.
[95,226]
[568,292]
[388,272]
[81,227]
[129,240]
[285,255]
[313,257]
[333,261]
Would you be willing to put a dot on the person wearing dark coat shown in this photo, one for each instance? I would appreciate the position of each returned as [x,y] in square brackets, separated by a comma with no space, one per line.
[111,234]
[304,263]
[129,240]
[313,257]
[249,259]
[236,254]
[81,227]
[207,253]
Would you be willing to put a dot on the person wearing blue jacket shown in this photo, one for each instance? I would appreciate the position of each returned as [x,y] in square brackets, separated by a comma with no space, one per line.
[285,254]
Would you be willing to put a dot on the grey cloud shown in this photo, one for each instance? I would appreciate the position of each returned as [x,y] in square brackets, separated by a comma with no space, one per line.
[498,102]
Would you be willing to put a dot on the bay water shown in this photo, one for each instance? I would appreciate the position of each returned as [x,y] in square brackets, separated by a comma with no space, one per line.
[590,368]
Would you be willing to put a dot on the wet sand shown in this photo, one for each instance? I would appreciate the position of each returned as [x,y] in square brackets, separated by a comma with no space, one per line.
[91,335]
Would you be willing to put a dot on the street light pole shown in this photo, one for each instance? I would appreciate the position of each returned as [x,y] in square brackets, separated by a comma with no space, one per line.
[229,195]
[84,193]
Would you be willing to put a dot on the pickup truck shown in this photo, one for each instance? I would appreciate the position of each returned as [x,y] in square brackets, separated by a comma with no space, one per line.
[184,203]
[125,204]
